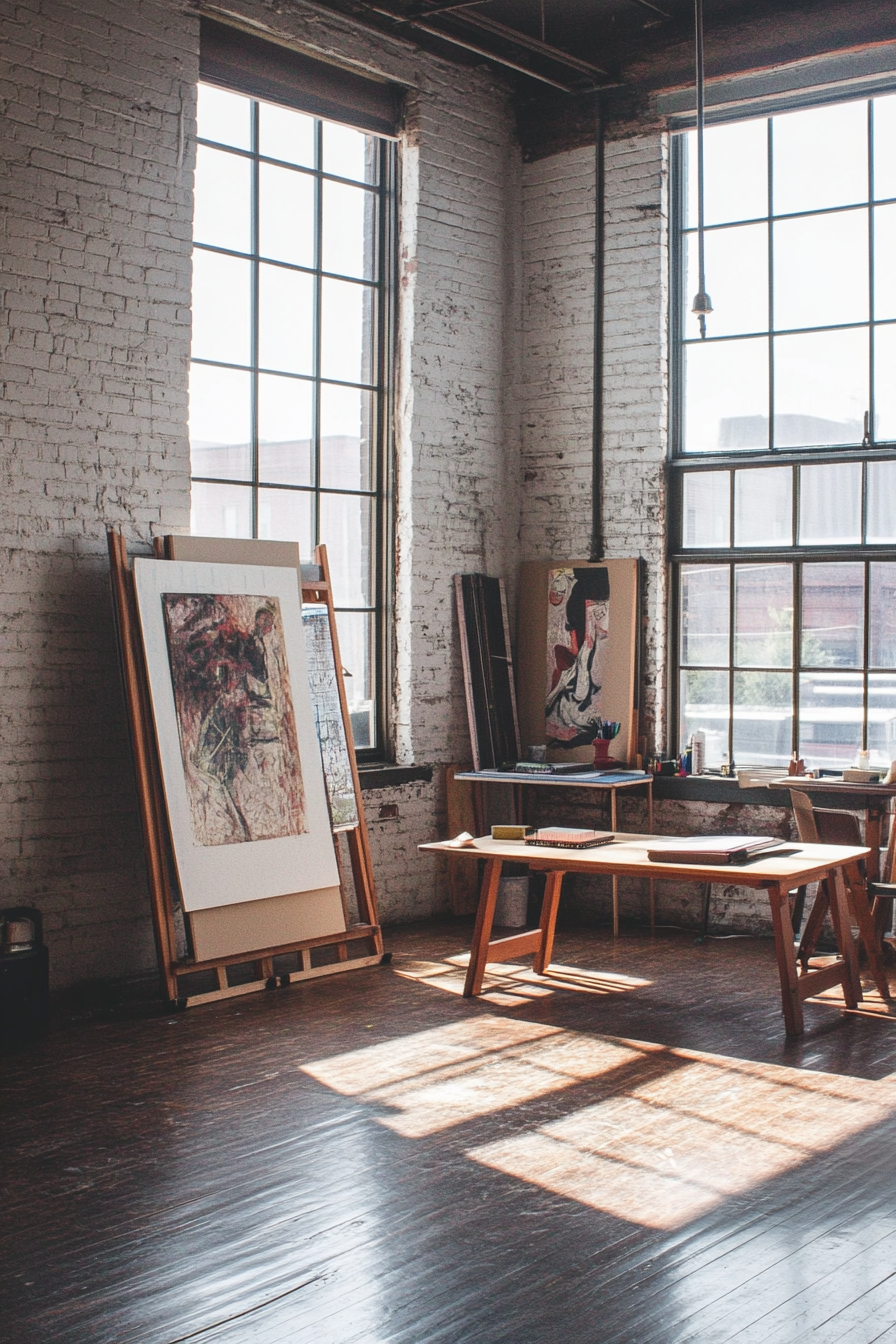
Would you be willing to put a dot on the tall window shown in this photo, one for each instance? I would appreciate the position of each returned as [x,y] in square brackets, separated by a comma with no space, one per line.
[784,438]
[289,370]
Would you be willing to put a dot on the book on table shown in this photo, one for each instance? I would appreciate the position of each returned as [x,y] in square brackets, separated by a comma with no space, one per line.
[569,837]
[712,849]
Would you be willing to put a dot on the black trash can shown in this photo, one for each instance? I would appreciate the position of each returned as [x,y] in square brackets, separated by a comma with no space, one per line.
[24,977]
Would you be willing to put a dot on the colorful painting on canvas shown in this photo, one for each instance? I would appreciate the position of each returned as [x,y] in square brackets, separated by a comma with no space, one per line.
[235,717]
[578,630]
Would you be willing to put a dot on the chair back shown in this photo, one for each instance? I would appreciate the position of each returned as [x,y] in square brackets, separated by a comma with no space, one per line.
[804,816]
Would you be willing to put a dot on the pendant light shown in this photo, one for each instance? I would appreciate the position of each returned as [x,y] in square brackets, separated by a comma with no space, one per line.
[702,305]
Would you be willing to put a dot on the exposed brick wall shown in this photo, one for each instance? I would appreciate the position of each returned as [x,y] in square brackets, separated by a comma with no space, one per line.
[99,104]
[96,230]
[555,393]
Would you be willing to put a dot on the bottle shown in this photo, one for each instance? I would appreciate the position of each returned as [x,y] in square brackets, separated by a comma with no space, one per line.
[698,752]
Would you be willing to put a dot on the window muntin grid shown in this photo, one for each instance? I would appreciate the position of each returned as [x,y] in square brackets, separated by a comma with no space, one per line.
[288,377]
[801,268]
[814,518]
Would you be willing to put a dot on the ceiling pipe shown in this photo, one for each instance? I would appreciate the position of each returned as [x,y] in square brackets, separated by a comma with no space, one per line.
[533,44]
[507,34]
[596,551]
[484,52]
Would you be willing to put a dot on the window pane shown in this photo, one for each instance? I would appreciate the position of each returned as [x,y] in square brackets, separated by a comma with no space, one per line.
[735,171]
[726,395]
[285,430]
[355,630]
[220,422]
[831,504]
[348,153]
[833,615]
[885,384]
[287,515]
[830,719]
[763,507]
[221,307]
[704,707]
[737,279]
[706,507]
[347,231]
[882,616]
[820,157]
[221,510]
[885,147]
[287,135]
[285,322]
[285,215]
[223,116]
[704,615]
[882,718]
[821,270]
[821,388]
[345,429]
[223,200]
[345,338]
[345,530]
[885,261]
[763,619]
[879,505]
[763,718]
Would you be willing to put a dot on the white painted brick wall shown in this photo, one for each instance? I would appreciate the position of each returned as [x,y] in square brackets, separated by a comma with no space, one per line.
[95,332]
[556,417]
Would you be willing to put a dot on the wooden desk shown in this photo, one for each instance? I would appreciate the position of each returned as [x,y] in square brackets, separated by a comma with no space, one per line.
[607,781]
[627,856]
[874,799]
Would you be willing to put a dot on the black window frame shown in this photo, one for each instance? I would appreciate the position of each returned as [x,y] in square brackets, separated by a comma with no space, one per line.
[680,462]
[384,286]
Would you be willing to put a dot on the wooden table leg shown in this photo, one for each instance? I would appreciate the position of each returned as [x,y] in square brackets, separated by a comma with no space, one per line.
[852,988]
[873,820]
[548,922]
[650,832]
[857,894]
[482,930]
[615,880]
[790,988]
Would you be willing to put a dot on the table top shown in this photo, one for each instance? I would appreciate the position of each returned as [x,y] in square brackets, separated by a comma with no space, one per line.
[589,779]
[627,856]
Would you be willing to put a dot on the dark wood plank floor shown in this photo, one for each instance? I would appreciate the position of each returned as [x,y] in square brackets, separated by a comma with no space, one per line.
[631,1152]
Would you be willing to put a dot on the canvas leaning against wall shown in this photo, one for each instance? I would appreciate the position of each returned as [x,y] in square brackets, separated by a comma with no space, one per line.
[241,766]
[577,655]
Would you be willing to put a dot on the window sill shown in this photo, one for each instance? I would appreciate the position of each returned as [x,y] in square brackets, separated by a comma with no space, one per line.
[716,789]
[391,776]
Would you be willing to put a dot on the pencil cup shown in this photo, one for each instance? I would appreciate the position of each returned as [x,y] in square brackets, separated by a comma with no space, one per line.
[601,750]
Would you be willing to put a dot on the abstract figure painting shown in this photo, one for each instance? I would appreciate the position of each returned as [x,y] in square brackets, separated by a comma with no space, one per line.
[241,766]
[235,717]
[577,655]
[578,629]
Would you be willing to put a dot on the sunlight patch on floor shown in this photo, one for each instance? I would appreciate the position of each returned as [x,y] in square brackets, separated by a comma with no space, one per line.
[653,1135]
[440,1078]
[664,1151]
[507,984]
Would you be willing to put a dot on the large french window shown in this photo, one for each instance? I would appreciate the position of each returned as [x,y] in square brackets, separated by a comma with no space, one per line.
[783,470]
[289,373]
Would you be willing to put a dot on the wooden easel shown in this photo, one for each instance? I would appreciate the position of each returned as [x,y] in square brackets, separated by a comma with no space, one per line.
[365,938]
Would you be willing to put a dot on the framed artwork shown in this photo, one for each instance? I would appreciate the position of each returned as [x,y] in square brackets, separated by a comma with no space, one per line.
[241,766]
[328,716]
[577,655]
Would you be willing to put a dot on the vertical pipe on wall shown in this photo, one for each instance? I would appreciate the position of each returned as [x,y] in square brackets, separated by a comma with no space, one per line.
[596,551]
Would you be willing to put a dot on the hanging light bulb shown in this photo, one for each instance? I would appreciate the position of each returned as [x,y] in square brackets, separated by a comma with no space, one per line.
[702,305]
